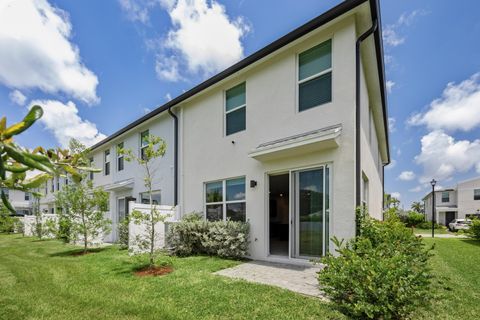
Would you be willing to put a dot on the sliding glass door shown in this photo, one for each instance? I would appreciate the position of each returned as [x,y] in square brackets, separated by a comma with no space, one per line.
[310,212]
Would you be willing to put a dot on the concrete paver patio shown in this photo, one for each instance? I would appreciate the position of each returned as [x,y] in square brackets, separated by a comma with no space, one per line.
[301,279]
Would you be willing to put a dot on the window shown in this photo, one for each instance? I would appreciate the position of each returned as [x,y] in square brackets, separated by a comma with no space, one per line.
[365,191]
[235,109]
[145,199]
[143,143]
[225,200]
[90,174]
[315,76]
[27,196]
[52,210]
[120,157]
[58,183]
[107,162]
[46,187]
[445,196]
[52,185]
[66,181]
[476,194]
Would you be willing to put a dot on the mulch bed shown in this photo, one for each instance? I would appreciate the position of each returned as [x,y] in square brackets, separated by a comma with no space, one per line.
[153,271]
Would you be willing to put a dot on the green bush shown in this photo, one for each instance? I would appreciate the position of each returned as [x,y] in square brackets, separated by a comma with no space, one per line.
[193,235]
[413,219]
[474,230]
[123,233]
[428,225]
[381,274]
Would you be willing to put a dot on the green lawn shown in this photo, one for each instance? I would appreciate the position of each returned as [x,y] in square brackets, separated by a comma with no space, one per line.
[429,231]
[39,281]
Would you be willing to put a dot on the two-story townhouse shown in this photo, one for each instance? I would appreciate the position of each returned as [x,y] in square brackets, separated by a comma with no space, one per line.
[292,138]
[22,201]
[460,202]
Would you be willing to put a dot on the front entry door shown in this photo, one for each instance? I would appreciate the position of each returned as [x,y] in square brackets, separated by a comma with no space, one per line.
[310,212]
[449,217]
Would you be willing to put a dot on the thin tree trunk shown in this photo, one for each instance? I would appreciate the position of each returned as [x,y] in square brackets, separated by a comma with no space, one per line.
[85,234]
[152,218]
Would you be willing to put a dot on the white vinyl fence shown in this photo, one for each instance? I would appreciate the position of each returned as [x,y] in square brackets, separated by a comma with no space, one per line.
[31,221]
[136,230]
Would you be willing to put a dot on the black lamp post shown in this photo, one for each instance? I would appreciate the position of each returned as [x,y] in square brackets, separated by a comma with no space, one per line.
[433,183]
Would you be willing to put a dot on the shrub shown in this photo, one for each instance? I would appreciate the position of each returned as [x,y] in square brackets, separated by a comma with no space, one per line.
[381,274]
[428,225]
[193,235]
[123,233]
[474,230]
[413,219]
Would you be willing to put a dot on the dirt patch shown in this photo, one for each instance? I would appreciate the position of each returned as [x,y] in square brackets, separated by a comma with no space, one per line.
[153,271]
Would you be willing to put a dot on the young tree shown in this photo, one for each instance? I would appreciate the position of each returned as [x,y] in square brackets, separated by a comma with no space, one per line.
[85,207]
[154,147]
[39,227]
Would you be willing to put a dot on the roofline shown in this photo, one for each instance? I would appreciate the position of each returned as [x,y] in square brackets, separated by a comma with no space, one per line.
[306,28]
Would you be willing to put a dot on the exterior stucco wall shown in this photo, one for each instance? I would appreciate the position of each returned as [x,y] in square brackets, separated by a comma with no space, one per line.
[466,203]
[272,113]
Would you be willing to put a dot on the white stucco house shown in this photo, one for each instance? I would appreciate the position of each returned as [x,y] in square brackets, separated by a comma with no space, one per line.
[291,139]
[459,202]
[22,201]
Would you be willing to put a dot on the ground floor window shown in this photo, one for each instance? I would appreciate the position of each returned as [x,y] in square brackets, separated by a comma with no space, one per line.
[145,198]
[225,199]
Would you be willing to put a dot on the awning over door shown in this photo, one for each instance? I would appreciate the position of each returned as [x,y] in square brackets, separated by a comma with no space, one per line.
[120,185]
[308,142]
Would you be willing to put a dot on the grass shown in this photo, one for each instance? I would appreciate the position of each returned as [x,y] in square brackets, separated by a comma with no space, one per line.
[41,280]
[457,264]
[429,231]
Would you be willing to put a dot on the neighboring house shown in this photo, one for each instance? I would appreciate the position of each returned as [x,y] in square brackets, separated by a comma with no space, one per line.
[292,139]
[22,201]
[460,202]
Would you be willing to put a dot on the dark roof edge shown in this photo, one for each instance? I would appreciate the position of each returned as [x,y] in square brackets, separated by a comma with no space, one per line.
[313,24]
[375,13]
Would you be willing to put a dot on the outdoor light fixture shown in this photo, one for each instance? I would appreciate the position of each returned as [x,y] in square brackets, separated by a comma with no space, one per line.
[433,183]
[253,183]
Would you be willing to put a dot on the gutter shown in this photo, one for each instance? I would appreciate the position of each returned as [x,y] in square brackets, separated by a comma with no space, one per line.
[358,174]
[175,156]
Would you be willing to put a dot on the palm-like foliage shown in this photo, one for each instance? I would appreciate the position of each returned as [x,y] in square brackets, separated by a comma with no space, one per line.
[16,161]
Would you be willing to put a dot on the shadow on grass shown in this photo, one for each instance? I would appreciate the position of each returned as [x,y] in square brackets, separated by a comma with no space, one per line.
[472,242]
[76,252]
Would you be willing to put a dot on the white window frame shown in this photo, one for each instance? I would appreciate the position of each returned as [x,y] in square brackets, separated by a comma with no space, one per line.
[120,156]
[153,192]
[297,74]
[105,162]
[143,146]
[224,201]
[225,112]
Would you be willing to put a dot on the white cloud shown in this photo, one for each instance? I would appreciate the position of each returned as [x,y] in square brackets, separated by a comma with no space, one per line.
[442,156]
[406,176]
[168,96]
[392,164]
[457,109]
[40,54]
[167,68]
[65,123]
[203,38]
[17,97]
[391,124]
[137,10]
[396,195]
[392,32]
[390,84]
[416,189]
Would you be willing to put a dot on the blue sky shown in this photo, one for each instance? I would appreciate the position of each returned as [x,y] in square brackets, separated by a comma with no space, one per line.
[98,65]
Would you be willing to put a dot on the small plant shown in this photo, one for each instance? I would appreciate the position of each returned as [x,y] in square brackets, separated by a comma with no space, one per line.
[474,230]
[123,232]
[381,274]
[428,225]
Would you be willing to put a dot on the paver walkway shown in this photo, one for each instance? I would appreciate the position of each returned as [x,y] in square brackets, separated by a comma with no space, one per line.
[301,279]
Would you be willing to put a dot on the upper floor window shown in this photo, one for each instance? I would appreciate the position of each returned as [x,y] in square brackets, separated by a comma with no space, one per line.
[445,196]
[365,190]
[225,200]
[52,185]
[235,109]
[27,196]
[107,162]
[90,174]
[120,157]
[58,183]
[46,187]
[66,181]
[315,76]
[143,143]
[476,194]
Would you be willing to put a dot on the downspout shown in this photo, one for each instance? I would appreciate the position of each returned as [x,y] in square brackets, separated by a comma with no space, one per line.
[358,167]
[175,156]
[383,192]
